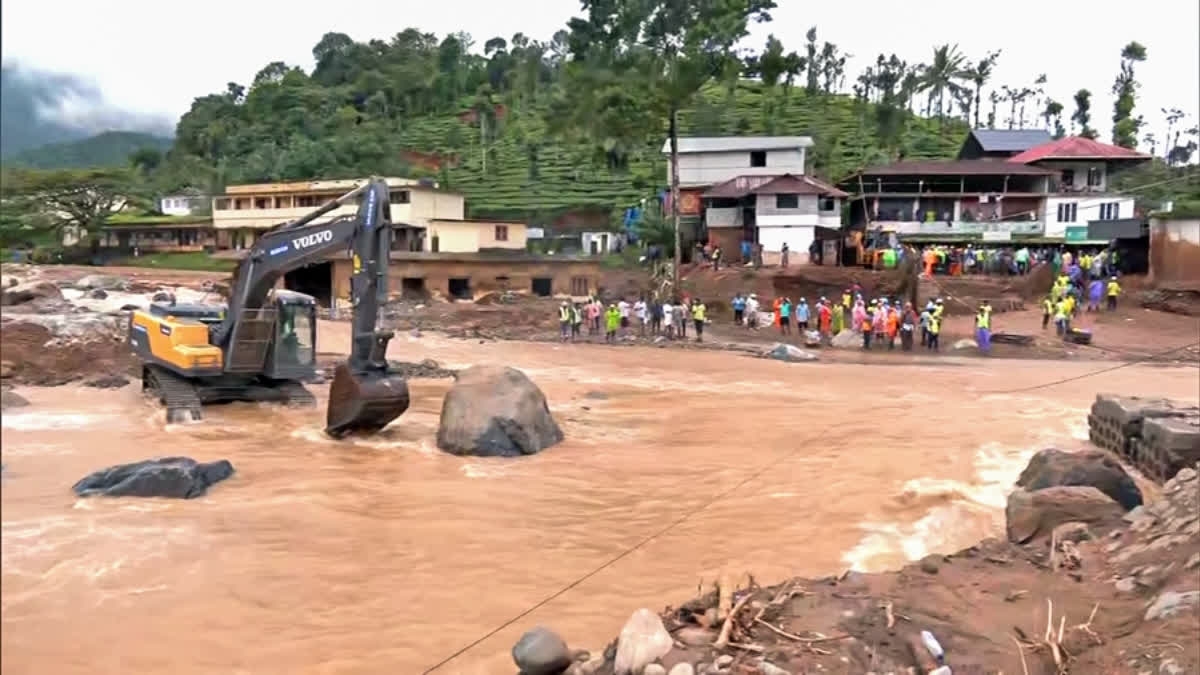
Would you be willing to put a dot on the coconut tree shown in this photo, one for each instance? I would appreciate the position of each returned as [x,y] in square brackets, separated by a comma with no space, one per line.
[979,74]
[944,75]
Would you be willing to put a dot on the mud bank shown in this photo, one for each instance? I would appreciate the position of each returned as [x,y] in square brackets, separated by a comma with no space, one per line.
[1119,594]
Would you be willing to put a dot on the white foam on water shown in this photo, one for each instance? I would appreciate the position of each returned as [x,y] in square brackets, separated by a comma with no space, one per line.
[954,503]
[36,420]
[492,470]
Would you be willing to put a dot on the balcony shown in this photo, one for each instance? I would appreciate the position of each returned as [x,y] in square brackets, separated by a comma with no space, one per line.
[973,229]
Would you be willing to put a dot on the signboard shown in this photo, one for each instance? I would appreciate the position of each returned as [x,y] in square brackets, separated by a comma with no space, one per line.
[534,233]
[997,236]
[1076,233]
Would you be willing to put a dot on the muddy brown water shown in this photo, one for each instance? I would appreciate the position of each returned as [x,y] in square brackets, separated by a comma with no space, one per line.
[387,556]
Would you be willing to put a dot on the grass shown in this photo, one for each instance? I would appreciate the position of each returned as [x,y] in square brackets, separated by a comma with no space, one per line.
[154,219]
[566,176]
[197,261]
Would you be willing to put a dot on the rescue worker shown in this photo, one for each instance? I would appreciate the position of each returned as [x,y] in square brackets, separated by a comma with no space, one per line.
[699,312]
[1062,318]
[935,330]
[612,321]
[1047,310]
[983,327]
[576,321]
[846,300]
[1113,292]
[892,325]
[564,321]
[867,325]
[824,318]
[1095,292]
[839,320]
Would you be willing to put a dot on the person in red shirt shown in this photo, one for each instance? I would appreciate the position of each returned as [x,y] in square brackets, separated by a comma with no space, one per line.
[824,317]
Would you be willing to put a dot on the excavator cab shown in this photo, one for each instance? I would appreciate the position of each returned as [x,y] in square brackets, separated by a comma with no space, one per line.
[293,355]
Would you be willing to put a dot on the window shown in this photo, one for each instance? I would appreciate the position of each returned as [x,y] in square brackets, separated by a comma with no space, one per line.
[787,201]
[241,203]
[758,158]
[221,204]
[1068,178]
[262,202]
[543,287]
[1067,212]
[399,197]
[579,286]
[828,204]
[306,201]
[501,233]
[1110,211]
[1094,176]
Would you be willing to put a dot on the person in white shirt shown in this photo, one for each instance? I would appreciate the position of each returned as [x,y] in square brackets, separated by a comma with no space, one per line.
[669,319]
[639,310]
[752,312]
[623,308]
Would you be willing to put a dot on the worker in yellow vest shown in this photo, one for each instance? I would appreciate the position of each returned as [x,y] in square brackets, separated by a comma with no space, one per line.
[1113,292]
[699,312]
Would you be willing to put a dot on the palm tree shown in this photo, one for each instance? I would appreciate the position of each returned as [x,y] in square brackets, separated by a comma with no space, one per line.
[944,74]
[980,73]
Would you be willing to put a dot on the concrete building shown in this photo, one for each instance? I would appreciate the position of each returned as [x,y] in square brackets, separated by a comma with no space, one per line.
[772,211]
[705,161]
[1081,191]
[951,200]
[184,204]
[1175,250]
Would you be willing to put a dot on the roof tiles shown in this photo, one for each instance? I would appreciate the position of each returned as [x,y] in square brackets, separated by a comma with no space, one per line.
[1076,147]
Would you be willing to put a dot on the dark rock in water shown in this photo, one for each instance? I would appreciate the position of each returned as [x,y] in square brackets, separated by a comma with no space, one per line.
[161,297]
[107,382]
[541,652]
[1056,468]
[494,411]
[11,399]
[98,293]
[178,477]
[129,307]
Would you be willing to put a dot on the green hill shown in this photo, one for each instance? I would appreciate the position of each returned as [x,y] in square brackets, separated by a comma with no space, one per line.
[108,149]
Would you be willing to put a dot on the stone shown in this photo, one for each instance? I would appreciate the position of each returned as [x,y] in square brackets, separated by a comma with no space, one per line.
[1056,468]
[789,353]
[177,477]
[29,291]
[847,339]
[11,399]
[1125,584]
[1170,603]
[1170,667]
[682,669]
[1184,475]
[107,382]
[1036,514]
[541,651]
[768,668]
[723,661]
[100,282]
[965,344]
[98,294]
[695,636]
[643,640]
[496,411]
[654,669]
[7,369]
[1073,532]
[7,281]
[929,564]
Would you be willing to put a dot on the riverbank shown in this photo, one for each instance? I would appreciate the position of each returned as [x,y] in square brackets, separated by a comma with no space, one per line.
[1117,594]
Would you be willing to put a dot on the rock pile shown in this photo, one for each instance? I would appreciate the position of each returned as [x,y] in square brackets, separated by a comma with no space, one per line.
[1156,435]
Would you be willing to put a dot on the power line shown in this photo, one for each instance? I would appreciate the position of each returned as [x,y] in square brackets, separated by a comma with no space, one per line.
[725,493]
[1119,366]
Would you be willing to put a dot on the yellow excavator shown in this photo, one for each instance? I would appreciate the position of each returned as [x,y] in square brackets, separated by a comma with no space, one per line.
[262,346]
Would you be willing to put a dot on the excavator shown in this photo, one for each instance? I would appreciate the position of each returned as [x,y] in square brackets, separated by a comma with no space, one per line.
[262,346]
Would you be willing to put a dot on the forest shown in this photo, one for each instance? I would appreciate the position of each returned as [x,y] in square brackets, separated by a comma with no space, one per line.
[527,128]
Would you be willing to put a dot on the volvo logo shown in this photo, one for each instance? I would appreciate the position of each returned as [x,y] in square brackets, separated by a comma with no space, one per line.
[310,240]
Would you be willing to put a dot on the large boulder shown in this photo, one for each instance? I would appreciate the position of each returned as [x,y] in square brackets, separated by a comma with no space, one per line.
[789,353]
[496,411]
[177,477]
[11,399]
[643,640]
[541,652]
[26,292]
[847,339]
[1054,468]
[1035,514]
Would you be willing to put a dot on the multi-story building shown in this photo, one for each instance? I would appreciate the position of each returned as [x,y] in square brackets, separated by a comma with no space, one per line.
[184,204]
[1082,204]
[951,200]
[772,211]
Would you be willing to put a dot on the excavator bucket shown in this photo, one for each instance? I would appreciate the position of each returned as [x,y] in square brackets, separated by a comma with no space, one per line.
[362,404]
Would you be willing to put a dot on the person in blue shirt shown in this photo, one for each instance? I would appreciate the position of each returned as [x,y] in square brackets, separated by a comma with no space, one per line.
[785,316]
[739,309]
[802,315]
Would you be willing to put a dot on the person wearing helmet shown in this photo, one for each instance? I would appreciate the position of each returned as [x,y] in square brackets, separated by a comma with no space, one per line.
[1113,292]
[564,321]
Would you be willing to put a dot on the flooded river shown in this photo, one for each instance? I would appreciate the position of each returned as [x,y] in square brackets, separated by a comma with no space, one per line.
[388,556]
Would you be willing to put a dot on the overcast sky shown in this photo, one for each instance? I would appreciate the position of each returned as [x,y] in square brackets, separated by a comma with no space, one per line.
[158,56]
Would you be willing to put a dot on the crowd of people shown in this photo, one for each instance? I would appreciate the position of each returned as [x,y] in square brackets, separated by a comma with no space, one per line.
[669,318]
[880,321]
[1078,281]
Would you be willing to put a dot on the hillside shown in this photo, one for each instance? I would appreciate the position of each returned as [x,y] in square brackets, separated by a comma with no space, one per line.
[563,175]
[111,148]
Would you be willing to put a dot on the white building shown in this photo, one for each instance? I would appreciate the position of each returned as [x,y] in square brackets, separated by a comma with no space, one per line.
[183,205]
[1080,193]
[709,160]
[772,211]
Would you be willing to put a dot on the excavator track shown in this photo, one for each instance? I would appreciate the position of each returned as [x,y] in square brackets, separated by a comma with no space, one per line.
[176,394]
[296,395]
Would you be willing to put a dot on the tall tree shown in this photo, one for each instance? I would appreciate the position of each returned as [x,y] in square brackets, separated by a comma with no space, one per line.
[1125,125]
[944,75]
[814,61]
[69,201]
[665,50]
[1052,116]
[979,73]
[1083,114]
[1173,115]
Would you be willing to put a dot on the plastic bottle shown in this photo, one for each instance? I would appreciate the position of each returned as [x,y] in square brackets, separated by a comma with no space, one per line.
[935,649]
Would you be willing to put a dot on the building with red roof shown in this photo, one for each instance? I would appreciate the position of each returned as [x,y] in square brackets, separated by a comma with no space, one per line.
[1082,206]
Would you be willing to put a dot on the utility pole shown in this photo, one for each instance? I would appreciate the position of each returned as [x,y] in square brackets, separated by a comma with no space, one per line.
[674,134]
